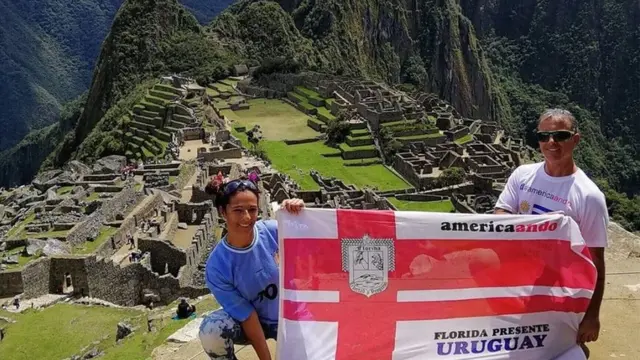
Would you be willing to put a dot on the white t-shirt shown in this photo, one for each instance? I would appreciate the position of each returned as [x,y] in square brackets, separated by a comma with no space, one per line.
[530,190]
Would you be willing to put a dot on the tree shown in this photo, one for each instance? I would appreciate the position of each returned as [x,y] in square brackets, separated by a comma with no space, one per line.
[338,129]
[254,136]
[451,176]
[414,72]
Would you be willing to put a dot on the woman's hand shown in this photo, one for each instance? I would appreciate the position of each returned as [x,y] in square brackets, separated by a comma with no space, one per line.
[293,205]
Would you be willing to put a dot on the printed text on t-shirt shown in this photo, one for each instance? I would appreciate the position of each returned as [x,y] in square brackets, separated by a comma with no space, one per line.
[544,193]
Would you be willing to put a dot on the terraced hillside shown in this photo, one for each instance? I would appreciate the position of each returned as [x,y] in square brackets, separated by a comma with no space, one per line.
[148,127]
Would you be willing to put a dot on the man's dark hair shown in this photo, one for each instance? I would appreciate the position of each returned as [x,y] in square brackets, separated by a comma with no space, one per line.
[228,190]
[559,113]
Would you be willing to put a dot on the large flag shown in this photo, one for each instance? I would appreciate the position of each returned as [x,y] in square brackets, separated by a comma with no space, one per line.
[382,285]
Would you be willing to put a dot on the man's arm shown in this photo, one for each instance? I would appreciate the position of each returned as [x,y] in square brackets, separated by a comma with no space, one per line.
[255,335]
[500,211]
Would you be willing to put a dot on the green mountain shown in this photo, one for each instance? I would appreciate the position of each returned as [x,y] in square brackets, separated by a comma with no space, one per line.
[48,51]
[47,55]
[497,60]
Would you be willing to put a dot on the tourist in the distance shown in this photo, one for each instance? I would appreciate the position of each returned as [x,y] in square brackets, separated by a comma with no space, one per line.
[242,273]
[557,184]
[185,309]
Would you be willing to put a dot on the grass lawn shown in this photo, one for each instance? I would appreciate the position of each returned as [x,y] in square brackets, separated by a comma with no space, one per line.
[277,119]
[94,196]
[64,329]
[64,190]
[48,234]
[90,246]
[141,343]
[222,87]
[298,160]
[22,260]
[465,139]
[212,92]
[428,206]
[326,113]
[308,92]
[18,230]
[61,331]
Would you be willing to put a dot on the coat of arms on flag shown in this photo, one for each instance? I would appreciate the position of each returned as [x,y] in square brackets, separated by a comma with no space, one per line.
[380,285]
[368,262]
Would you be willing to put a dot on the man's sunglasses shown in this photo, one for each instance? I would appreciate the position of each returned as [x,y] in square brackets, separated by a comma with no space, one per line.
[232,186]
[558,136]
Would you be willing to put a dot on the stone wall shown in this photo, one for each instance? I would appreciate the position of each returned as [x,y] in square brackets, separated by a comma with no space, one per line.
[10,283]
[35,276]
[164,255]
[107,213]
[192,133]
[193,213]
[120,285]
[421,197]
[220,154]
[460,205]
[74,266]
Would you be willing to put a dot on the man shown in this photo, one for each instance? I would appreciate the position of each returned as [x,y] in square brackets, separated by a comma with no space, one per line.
[557,184]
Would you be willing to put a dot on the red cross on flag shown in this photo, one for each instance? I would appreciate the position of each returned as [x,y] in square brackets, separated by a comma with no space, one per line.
[378,285]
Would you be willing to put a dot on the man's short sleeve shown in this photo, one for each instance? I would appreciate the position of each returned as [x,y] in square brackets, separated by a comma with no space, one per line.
[508,199]
[227,295]
[594,222]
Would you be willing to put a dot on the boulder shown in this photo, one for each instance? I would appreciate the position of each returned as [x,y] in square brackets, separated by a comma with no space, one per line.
[56,247]
[124,330]
[182,226]
[41,182]
[110,164]
[3,246]
[51,194]
[13,259]
[149,296]
[78,168]
[93,353]
[33,245]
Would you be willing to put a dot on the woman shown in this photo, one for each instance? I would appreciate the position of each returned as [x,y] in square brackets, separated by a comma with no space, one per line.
[242,273]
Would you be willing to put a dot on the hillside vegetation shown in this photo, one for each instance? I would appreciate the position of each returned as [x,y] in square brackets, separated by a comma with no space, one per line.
[504,60]
[49,49]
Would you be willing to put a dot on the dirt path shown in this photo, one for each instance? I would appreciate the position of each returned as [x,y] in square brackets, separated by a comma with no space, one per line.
[193,351]
[182,238]
[189,151]
[186,190]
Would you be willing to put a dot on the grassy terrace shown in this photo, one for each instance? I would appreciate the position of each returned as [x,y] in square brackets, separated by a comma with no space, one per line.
[419,137]
[298,160]
[277,119]
[465,139]
[222,87]
[428,206]
[90,246]
[64,190]
[308,92]
[345,147]
[63,330]
[326,113]
[17,231]
[22,259]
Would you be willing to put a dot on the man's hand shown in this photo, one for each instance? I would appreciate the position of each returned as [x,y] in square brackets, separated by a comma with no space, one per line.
[589,329]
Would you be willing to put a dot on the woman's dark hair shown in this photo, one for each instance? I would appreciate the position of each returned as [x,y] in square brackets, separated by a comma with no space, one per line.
[226,191]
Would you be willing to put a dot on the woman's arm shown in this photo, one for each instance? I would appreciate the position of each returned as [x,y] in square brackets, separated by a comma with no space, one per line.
[255,335]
